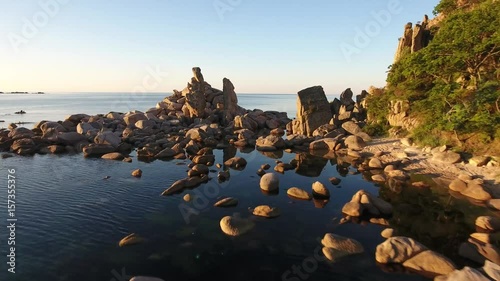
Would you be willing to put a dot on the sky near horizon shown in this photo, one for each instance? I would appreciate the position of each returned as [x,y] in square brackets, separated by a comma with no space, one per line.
[262,46]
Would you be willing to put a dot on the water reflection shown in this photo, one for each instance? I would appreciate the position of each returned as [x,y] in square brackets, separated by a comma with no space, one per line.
[309,165]
[198,250]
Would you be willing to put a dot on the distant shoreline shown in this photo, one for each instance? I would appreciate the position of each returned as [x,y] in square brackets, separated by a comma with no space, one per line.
[21,93]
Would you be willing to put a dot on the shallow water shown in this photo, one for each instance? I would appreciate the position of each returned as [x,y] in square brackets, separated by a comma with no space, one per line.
[70,220]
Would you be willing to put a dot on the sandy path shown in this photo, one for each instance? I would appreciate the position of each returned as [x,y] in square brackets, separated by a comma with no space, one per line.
[421,163]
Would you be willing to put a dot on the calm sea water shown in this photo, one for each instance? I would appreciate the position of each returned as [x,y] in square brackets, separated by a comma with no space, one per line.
[56,107]
[70,219]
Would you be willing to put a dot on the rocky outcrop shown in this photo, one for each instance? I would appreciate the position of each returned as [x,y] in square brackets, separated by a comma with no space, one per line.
[313,110]
[230,102]
[195,97]
[399,115]
[414,38]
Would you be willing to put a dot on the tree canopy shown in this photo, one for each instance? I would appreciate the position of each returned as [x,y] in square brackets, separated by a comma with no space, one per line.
[453,83]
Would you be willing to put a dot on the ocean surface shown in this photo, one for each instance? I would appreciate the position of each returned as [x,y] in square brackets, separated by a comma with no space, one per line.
[70,217]
[54,107]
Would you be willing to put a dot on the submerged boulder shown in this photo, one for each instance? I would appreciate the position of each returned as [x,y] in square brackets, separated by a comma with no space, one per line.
[336,246]
[236,226]
[130,239]
[298,193]
[266,211]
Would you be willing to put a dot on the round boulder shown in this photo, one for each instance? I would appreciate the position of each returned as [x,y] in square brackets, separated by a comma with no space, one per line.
[269,182]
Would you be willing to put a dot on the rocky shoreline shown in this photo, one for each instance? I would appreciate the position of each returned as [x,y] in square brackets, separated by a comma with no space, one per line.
[193,122]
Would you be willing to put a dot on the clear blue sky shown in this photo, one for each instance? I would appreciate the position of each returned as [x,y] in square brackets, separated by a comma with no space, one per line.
[263,46]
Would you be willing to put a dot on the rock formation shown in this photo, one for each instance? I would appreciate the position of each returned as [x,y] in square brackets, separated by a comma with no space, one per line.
[195,98]
[313,110]
[399,115]
[230,102]
[414,38]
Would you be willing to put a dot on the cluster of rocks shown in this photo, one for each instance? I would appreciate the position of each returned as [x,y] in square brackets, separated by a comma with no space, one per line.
[318,117]
[415,257]
[471,188]
[481,245]
[399,116]
[365,203]
[198,116]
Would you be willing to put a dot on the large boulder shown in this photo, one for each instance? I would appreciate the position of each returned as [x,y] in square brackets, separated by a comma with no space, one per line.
[84,128]
[266,211]
[398,250]
[476,192]
[70,138]
[236,162]
[269,182]
[77,118]
[144,124]
[204,159]
[273,141]
[324,144]
[245,122]
[166,153]
[430,263]
[313,110]
[97,149]
[230,102]
[354,143]
[20,133]
[58,128]
[447,157]
[346,97]
[132,118]
[23,146]
[351,127]
[336,246]
[108,137]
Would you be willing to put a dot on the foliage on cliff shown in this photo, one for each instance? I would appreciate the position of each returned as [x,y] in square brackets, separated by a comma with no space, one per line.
[453,84]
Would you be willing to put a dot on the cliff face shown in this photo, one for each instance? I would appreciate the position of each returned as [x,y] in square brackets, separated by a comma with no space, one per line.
[414,38]
[417,37]
[444,84]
